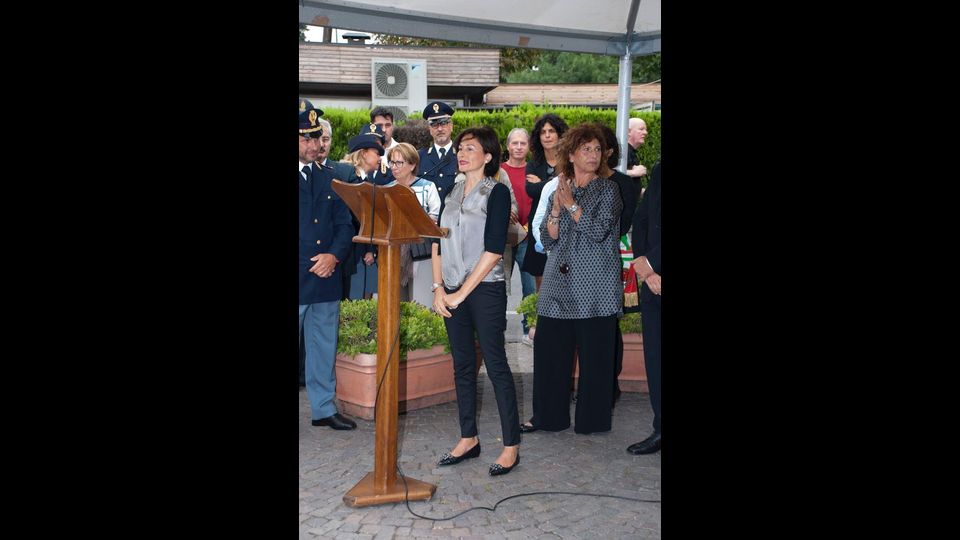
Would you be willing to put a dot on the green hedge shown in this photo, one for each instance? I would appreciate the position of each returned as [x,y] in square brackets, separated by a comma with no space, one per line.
[630,323]
[346,124]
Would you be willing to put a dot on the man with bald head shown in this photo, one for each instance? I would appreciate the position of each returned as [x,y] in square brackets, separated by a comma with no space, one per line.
[636,135]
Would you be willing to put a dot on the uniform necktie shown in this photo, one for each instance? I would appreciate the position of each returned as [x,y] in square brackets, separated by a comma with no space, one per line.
[443,151]
[306,171]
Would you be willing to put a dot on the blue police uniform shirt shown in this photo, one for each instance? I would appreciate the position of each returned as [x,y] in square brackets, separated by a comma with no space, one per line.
[325,227]
[443,176]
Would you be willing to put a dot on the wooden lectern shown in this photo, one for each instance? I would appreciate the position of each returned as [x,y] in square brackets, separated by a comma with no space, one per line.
[389,216]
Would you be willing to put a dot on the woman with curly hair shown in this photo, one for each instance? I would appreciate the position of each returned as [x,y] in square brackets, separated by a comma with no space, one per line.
[543,144]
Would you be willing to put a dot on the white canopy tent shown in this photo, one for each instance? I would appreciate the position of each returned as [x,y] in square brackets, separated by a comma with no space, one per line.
[623,28]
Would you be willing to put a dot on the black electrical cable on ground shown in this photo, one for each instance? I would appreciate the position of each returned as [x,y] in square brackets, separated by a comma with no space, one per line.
[494,508]
[406,490]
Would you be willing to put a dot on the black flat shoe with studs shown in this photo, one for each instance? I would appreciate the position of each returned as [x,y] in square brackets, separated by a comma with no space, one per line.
[449,459]
[496,469]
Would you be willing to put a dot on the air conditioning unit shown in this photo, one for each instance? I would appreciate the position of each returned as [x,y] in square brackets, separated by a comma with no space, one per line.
[400,85]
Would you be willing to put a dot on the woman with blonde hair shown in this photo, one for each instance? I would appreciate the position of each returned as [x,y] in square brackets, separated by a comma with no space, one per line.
[365,151]
[404,162]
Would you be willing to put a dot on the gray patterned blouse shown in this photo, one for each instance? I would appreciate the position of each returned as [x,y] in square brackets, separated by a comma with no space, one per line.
[589,251]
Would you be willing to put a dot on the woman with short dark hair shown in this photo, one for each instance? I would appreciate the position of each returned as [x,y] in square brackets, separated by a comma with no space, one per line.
[470,292]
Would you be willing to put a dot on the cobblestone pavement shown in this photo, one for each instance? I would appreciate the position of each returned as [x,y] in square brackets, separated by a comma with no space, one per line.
[332,462]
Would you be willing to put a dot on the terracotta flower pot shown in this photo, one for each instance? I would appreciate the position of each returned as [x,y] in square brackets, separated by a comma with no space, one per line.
[633,377]
[426,378]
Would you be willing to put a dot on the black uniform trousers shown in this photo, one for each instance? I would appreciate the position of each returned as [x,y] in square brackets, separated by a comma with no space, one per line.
[553,348]
[485,312]
[650,314]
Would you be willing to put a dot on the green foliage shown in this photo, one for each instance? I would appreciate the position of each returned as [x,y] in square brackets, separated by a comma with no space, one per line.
[649,151]
[528,307]
[526,114]
[419,328]
[346,124]
[629,323]
[554,67]
[511,58]
[358,327]
[303,30]
[646,68]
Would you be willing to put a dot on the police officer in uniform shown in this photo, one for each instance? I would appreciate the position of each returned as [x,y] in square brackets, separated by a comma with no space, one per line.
[438,163]
[326,234]
[304,105]
[340,171]
[382,175]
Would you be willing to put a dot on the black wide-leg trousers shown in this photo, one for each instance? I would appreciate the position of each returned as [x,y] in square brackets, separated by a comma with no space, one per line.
[555,342]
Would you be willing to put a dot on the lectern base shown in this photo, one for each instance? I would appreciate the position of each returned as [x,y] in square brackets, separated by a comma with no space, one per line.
[365,494]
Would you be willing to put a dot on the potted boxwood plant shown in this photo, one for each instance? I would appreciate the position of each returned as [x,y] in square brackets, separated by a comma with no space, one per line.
[528,308]
[633,377]
[426,365]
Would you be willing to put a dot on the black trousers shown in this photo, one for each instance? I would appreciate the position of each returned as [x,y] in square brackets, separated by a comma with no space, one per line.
[483,311]
[650,313]
[553,348]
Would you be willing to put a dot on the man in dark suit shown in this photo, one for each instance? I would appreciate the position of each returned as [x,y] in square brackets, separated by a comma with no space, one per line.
[326,232]
[438,162]
[646,247]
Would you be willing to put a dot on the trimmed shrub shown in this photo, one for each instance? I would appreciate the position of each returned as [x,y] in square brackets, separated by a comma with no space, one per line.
[528,307]
[420,328]
[346,124]
[629,324]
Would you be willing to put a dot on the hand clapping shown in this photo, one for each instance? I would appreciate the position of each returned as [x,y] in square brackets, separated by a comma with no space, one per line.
[562,197]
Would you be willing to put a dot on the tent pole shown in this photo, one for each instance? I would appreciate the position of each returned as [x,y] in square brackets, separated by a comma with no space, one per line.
[623,106]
